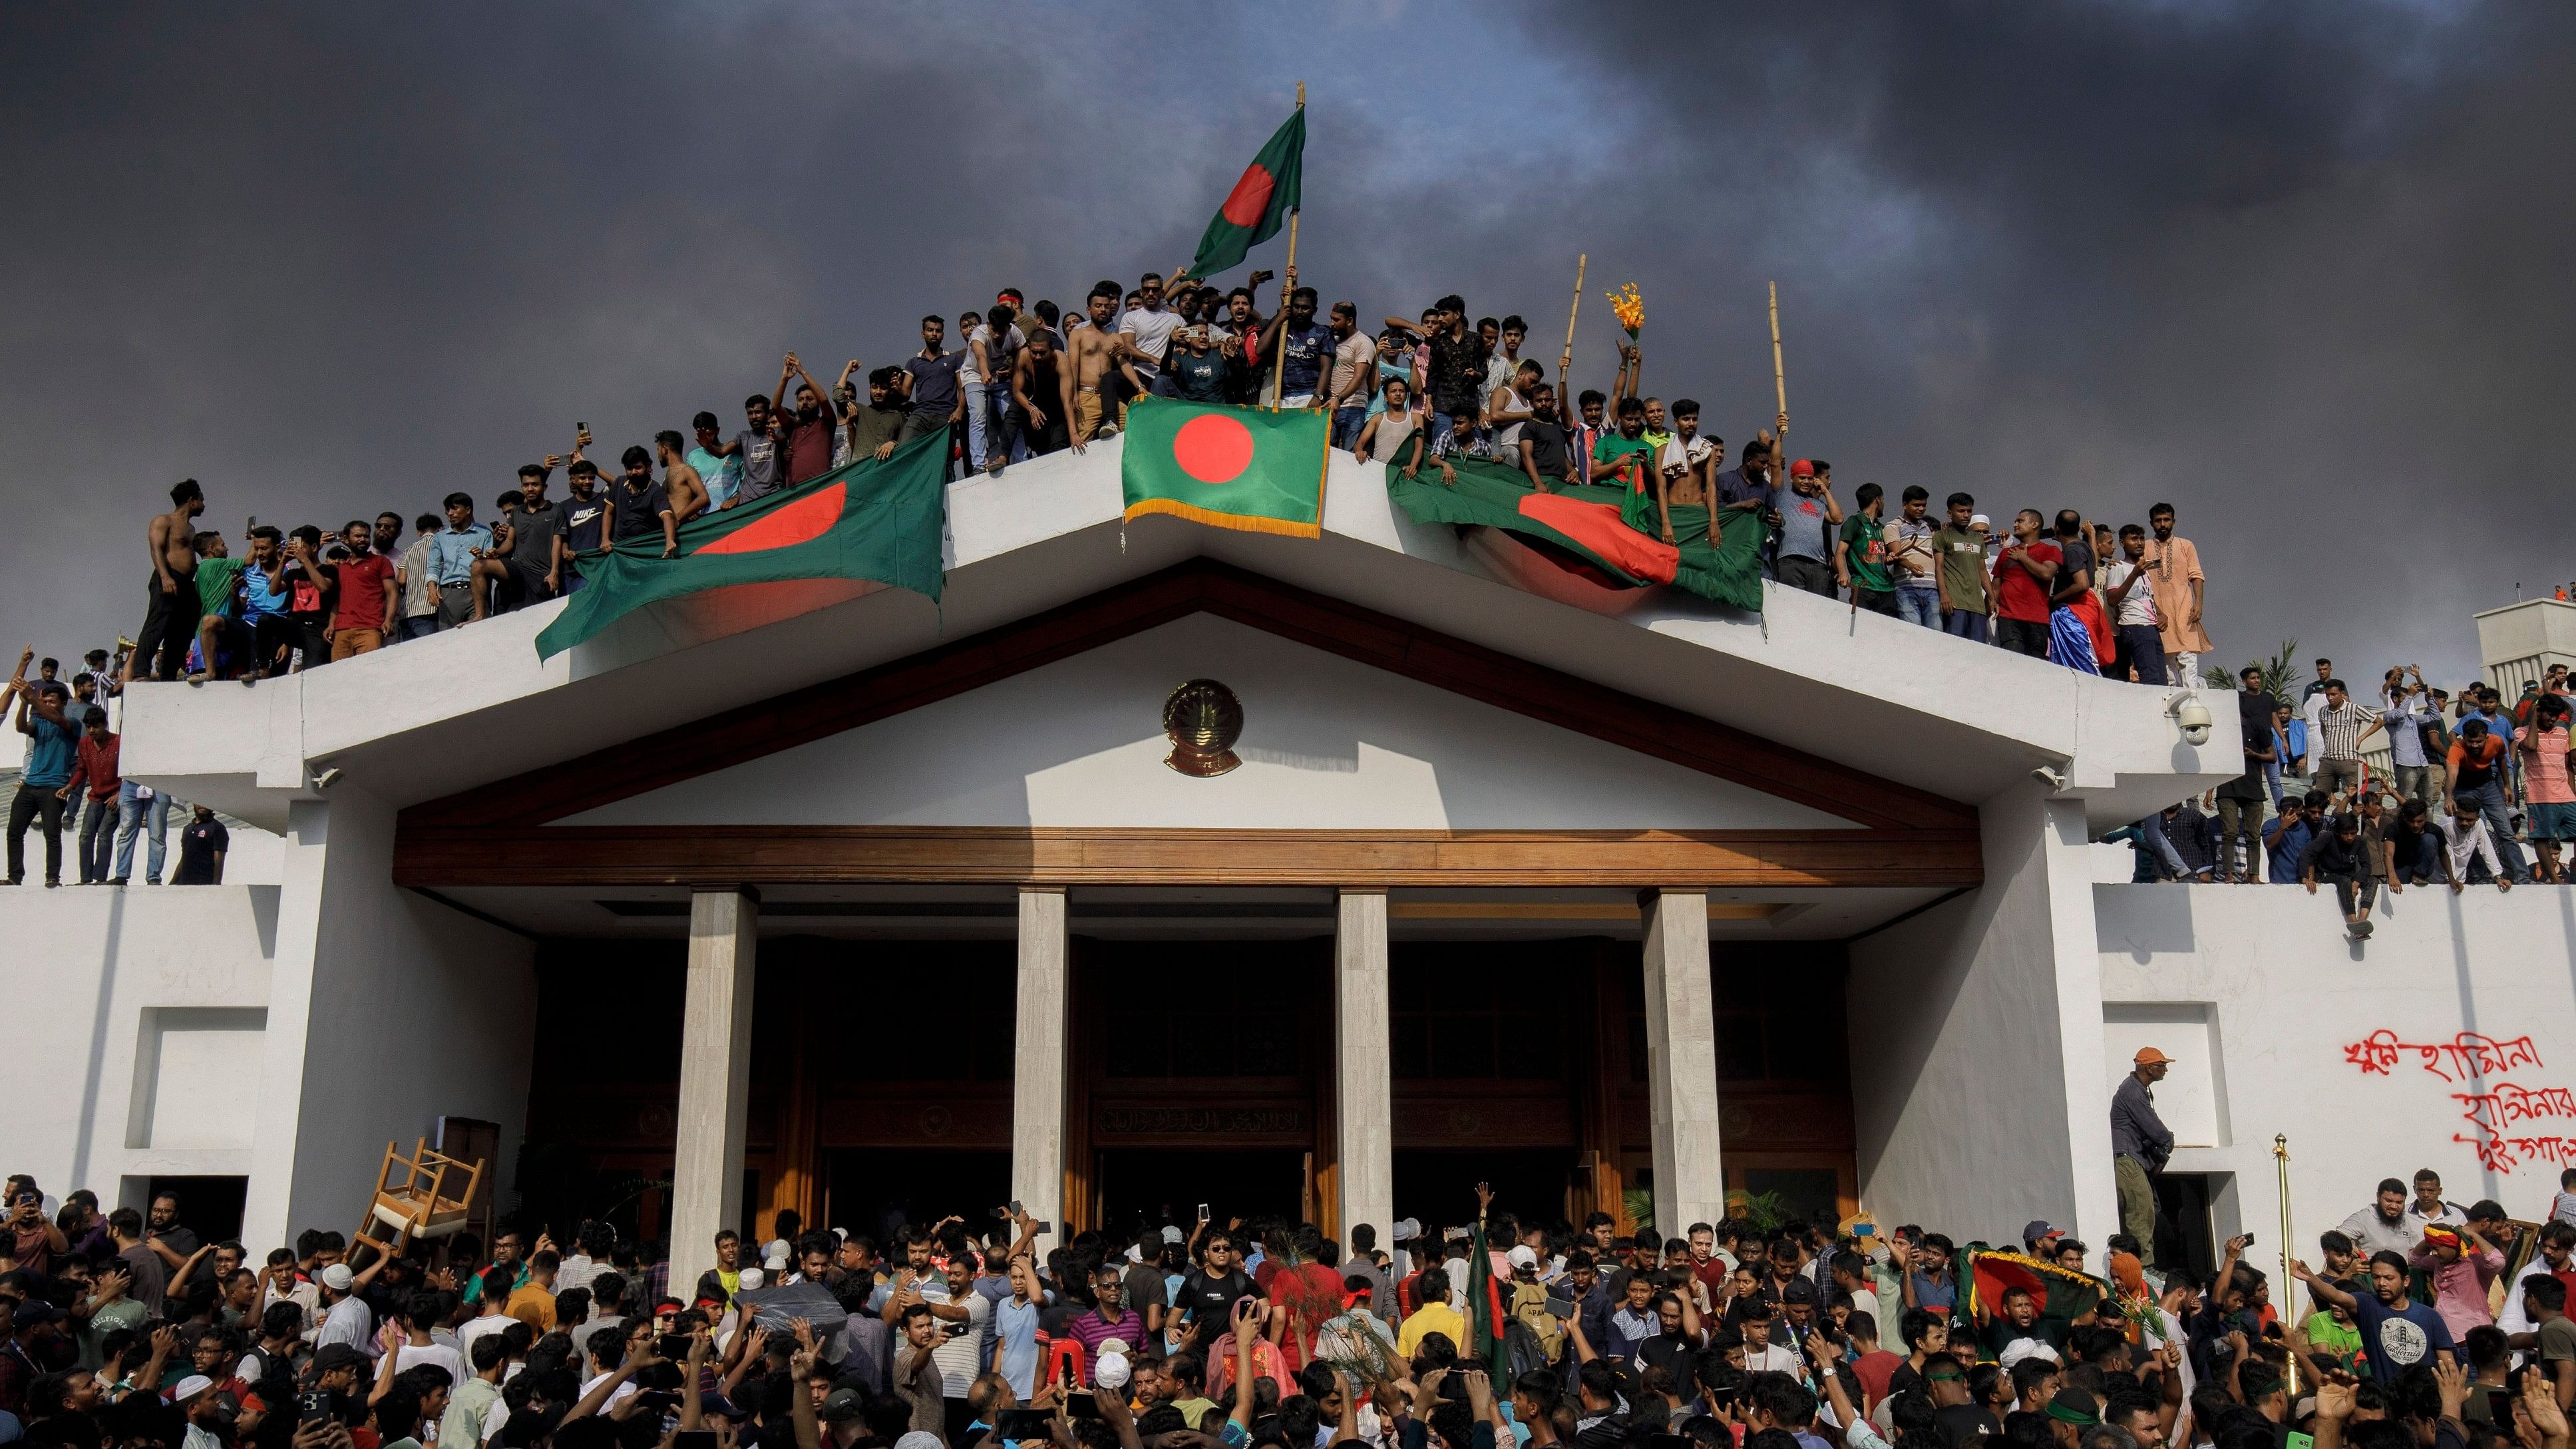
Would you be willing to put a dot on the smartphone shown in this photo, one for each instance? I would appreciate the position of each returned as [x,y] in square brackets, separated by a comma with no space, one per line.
[1015,1424]
[694,1439]
[1203,1214]
[2500,1406]
[1084,1406]
[313,1406]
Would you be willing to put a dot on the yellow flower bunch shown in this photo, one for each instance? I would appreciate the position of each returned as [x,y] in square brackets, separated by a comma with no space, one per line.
[1628,307]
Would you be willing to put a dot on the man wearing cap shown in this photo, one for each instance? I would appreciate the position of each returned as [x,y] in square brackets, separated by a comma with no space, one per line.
[1808,518]
[347,1321]
[33,1329]
[2140,1145]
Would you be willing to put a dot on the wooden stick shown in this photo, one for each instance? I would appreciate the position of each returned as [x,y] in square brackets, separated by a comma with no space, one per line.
[1288,284]
[1565,364]
[1779,379]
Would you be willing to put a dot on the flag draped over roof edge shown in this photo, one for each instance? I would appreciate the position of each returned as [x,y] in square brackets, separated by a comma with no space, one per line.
[1241,468]
[881,521]
[1260,202]
[1581,527]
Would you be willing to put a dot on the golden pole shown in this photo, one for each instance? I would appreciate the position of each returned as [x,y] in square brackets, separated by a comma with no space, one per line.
[1279,362]
[2281,1159]
[1565,364]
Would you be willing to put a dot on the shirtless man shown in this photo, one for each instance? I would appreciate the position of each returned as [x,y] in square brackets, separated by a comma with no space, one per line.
[170,620]
[1090,353]
[1037,388]
[687,491]
[1685,461]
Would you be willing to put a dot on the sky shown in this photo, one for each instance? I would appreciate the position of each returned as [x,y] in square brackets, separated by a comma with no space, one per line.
[2298,267]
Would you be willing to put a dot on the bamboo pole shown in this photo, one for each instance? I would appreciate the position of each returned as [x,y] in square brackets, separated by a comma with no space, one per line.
[1565,363]
[1288,285]
[1779,388]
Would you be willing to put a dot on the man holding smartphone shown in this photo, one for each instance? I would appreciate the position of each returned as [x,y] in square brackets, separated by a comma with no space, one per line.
[37,1239]
[1210,1291]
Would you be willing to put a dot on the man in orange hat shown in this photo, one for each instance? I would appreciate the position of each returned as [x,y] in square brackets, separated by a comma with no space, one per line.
[2140,1144]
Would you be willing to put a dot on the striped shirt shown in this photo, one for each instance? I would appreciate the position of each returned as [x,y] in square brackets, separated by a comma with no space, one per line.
[2339,730]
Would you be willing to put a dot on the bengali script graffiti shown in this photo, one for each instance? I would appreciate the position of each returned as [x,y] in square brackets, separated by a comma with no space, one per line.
[2504,1154]
[2465,1056]
[2491,1106]
[2506,1104]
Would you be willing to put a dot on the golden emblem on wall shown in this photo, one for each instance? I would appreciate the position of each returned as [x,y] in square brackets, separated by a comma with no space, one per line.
[1203,719]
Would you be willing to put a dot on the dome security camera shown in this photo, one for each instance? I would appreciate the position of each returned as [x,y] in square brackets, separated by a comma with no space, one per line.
[2192,715]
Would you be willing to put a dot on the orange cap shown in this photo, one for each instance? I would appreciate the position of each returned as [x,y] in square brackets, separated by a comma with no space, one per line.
[2149,1056]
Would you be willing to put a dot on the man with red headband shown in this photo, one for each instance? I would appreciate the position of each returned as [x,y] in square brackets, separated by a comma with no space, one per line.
[2461,1265]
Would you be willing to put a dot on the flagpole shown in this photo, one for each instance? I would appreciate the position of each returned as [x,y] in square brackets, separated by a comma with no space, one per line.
[2281,1157]
[1279,363]
[1565,364]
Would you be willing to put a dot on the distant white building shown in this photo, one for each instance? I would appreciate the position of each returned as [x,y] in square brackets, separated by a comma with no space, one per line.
[818,896]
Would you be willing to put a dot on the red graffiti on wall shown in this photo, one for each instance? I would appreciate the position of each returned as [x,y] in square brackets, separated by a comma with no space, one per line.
[2464,1056]
[2489,1107]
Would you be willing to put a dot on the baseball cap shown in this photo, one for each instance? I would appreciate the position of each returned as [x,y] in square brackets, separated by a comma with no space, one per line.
[35,1311]
[338,1356]
[337,1278]
[840,1404]
[2149,1056]
[1522,1257]
[2037,1229]
[2074,1406]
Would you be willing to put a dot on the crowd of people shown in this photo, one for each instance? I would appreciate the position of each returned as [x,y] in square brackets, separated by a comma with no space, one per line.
[2428,1324]
[1027,380]
[2471,781]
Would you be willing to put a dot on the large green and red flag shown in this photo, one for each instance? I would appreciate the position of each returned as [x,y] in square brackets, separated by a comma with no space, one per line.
[1244,468]
[880,521]
[1582,529]
[2060,1294]
[1259,203]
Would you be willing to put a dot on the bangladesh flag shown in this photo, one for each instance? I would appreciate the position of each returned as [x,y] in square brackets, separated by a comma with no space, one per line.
[1486,1322]
[1245,468]
[1259,203]
[1598,532]
[2062,1296]
[881,521]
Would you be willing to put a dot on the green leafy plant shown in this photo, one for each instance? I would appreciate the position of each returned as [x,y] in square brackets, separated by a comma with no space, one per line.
[1639,1206]
[1762,1211]
[2281,674]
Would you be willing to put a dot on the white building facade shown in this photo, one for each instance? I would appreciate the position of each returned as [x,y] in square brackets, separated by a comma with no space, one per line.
[822,896]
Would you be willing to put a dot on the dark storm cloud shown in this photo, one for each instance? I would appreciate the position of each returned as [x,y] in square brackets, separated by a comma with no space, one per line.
[2295,267]
[2298,267]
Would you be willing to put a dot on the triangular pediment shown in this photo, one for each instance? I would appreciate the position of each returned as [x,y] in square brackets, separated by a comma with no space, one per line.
[1326,743]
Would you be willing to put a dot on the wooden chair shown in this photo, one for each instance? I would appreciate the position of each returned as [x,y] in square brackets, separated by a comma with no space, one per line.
[417,1197]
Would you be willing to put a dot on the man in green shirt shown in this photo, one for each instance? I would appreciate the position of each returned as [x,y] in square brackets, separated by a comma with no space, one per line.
[1625,460]
[1860,554]
[1959,569]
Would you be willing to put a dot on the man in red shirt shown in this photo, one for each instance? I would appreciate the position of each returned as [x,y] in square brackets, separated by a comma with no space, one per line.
[94,773]
[807,441]
[2022,576]
[365,594]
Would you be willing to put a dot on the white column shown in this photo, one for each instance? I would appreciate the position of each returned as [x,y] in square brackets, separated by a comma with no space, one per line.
[1681,1061]
[1364,1133]
[1038,1059]
[715,1078]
